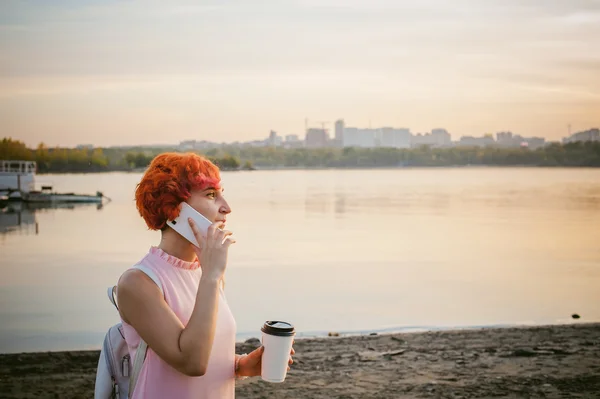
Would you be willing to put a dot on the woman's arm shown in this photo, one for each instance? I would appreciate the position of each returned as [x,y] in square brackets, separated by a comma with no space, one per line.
[185,348]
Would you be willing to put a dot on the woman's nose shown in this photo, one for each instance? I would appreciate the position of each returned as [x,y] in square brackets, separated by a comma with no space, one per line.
[225,208]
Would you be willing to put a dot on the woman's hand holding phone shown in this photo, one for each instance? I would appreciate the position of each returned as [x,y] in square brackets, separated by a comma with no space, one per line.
[213,249]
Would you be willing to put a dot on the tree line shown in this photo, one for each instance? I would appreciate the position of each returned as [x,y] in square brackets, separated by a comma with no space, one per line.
[555,154]
[57,160]
[61,160]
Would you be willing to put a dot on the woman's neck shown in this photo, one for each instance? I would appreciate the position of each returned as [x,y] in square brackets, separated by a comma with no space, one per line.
[175,245]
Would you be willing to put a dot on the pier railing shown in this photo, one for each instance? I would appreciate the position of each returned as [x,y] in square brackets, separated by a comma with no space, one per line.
[19,167]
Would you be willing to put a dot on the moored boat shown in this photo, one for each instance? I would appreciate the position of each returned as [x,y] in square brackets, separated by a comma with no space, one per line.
[17,183]
[16,178]
[50,197]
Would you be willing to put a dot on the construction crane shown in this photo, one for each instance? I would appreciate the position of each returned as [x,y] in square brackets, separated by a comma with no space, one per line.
[322,123]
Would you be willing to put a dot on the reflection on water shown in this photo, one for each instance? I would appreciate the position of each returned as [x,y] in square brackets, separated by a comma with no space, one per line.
[437,202]
[16,218]
[340,203]
[20,217]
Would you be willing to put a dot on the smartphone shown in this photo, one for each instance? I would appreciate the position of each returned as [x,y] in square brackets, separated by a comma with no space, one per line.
[182,226]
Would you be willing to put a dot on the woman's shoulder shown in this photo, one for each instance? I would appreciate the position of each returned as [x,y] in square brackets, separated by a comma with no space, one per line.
[140,276]
[135,288]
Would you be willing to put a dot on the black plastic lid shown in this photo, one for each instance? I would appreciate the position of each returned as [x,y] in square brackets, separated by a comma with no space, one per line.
[278,328]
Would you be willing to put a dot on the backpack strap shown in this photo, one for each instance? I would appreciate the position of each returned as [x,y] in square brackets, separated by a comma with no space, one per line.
[138,362]
[112,291]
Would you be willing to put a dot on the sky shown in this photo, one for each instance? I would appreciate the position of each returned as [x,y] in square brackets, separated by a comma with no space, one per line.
[147,72]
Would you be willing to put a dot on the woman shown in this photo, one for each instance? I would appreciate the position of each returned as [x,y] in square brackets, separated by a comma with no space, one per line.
[189,328]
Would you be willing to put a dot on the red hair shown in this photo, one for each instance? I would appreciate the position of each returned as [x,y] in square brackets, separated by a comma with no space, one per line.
[168,181]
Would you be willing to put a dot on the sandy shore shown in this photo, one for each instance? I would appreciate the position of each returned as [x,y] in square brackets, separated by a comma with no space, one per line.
[544,362]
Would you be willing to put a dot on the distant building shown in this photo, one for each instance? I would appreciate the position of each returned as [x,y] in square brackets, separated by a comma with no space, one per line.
[338,140]
[85,147]
[274,140]
[588,135]
[187,145]
[535,142]
[508,139]
[293,141]
[355,137]
[339,129]
[394,138]
[258,143]
[441,138]
[190,145]
[504,139]
[470,141]
[390,137]
[437,138]
[317,138]
[419,139]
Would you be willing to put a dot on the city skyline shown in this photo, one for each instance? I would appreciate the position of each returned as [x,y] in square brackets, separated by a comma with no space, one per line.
[390,137]
[454,139]
[124,73]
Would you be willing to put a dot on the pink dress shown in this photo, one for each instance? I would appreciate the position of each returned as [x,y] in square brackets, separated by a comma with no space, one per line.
[157,379]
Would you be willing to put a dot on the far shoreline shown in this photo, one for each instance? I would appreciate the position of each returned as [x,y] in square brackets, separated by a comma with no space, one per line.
[321,168]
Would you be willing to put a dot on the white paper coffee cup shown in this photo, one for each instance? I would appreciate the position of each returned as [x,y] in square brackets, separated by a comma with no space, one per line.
[277,338]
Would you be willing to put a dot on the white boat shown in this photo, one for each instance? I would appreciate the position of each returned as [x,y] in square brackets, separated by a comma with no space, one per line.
[16,178]
[47,196]
[17,183]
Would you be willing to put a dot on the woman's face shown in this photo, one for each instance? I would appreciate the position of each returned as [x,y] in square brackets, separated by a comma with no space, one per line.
[211,203]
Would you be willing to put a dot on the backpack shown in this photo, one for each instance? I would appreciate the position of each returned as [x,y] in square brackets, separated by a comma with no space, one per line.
[117,375]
